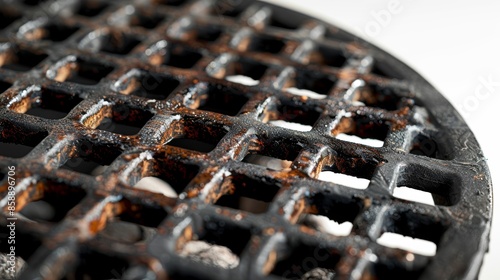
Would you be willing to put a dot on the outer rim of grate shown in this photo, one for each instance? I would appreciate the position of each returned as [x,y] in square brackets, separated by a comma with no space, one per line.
[460,249]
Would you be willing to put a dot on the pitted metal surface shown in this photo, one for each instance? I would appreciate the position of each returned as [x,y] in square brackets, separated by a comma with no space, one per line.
[97,95]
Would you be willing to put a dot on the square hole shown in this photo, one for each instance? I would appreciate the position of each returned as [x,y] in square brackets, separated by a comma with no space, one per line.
[292,265]
[413,195]
[4,86]
[147,84]
[80,71]
[90,8]
[220,244]
[17,142]
[21,60]
[245,71]
[299,118]
[221,99]
[92,159]
[8,16]
[95,265]
[113,42]
[268,162]
[264,43]
[208,33]
[56,32]
[330,214]
[412,231]
[361,130]
[178,56]
[30,239]
[125,120]
[199,136]
[433,186]
[167,176]
[344,180]
[54,203]
[248,195]
[138,223]
[327,56]
[284,21]
[311,84]
[377,96]
[47,103]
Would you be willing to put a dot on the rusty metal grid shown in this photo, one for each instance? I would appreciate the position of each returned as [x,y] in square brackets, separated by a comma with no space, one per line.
[127,83]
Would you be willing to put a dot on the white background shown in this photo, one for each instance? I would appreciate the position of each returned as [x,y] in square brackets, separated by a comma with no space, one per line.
[455,45]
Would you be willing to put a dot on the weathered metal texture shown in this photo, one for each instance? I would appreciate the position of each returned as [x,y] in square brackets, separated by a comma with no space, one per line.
[157,69]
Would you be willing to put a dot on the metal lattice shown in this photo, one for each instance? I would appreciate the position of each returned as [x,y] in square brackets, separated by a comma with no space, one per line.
[150,89]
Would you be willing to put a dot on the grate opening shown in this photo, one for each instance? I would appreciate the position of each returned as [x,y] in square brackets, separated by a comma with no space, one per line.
[8,16]
[296,117]
[280,21]
[4,86]
[17,143]
[192,144]
[219,244]
[125,120]
[344,180]
[113,42]
[138,18]
[247,194]
[330,214]
[327,56]
[307,262]
[266,43]
[406,224]
[245,71]
[413,245]
[91,158]
[20,60]
[80,71]
[180,57]
[174,173]
[268,162]
[362,127]
[96,265]
[208,33]
[410,194]
[54,203]
[221,99]
[31,242]
[47,103]
[311,84]
[156,185]
[147,84]
[443,188]
[381,97]
[56,32]
[90,8]
[149,216]
[33,2]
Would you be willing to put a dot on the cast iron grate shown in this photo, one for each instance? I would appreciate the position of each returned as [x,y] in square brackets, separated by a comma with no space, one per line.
[245,115]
